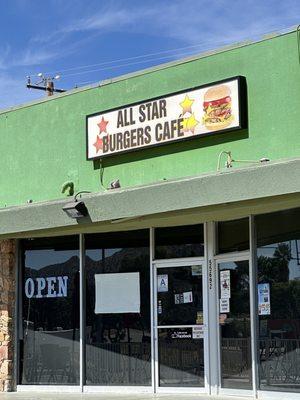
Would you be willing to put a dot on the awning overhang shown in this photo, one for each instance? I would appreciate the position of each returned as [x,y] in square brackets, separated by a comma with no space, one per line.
[222,195]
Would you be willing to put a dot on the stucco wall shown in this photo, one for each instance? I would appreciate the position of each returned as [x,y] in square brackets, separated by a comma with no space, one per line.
[43,145]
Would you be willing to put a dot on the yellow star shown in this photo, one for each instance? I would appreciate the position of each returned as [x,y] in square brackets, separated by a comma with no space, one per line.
[186,105]
[192,123]
[185,125]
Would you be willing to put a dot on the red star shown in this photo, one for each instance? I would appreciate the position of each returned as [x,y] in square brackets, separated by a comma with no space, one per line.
[102,125]
[98,144]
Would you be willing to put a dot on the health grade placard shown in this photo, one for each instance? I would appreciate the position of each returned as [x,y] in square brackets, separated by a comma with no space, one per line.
[188,114]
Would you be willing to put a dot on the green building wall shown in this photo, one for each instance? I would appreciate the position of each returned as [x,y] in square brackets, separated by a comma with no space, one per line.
[43,145]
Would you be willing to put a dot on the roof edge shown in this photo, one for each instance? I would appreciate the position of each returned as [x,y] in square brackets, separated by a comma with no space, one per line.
[198,56]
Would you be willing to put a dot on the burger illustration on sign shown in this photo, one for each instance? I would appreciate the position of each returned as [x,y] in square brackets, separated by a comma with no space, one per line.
[217,108]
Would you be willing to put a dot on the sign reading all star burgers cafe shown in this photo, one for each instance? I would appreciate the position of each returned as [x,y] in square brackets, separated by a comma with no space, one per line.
[193,113]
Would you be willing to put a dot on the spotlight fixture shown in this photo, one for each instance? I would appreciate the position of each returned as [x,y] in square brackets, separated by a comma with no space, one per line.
[230,160]
[264,159]
[115,184]
[75,210]
[228,163]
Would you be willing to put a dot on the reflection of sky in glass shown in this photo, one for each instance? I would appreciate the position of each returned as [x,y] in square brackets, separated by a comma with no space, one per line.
[228,265]
[38,259]
[294,245]
[231,265]
[96,254]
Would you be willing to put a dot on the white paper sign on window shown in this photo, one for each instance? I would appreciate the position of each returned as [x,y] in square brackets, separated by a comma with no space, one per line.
[162,283]
[198,332]
[224,306]
[117,293]
[225,284]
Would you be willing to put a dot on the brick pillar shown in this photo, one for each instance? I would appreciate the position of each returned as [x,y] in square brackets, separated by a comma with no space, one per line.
[7,310]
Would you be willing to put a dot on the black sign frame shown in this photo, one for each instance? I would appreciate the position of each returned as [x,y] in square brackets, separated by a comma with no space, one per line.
[243,116]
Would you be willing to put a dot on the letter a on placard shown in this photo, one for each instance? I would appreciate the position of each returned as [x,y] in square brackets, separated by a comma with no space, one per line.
[162,283]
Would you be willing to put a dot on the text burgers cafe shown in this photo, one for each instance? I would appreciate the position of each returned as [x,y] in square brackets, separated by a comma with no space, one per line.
[150,231]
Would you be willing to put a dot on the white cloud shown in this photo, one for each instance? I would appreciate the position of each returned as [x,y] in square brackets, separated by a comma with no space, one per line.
[4,53]
[189,22]
[30,57]
[109,18]
[106,20]
[204,24]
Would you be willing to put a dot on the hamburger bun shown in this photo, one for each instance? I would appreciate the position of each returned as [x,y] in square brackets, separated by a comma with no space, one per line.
[214,126]
[216,93]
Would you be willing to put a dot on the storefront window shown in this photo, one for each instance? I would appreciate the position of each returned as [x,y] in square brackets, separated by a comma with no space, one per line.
[118,327]
[234,322]
[50,312]
[233,236]
[179,241]
[278,252]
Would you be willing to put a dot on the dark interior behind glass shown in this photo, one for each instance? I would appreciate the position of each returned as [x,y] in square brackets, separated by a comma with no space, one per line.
[118,345]
[234,321]
[278,252]
[233,235]
[49,345]
[179,241]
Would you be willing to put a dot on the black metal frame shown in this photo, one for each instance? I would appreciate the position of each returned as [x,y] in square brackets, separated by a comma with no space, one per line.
[243,116]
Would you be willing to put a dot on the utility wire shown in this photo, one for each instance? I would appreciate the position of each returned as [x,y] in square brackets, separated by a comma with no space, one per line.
[220,43]
[127,64]
[129,58]
[108,64]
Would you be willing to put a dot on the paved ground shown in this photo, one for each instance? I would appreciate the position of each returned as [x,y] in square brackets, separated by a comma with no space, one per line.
[109,396]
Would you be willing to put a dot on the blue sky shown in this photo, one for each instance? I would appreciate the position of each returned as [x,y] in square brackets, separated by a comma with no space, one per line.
[64,36]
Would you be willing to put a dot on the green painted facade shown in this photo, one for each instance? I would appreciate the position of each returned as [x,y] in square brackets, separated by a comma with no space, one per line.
[43,145]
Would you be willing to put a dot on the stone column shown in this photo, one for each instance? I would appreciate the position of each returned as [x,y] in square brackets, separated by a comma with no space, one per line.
[7,311]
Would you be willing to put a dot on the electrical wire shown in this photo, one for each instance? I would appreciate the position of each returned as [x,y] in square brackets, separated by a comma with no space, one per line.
[80,193]
[128,58]
[145,58]
[101,175]
[126,65]
[220,43]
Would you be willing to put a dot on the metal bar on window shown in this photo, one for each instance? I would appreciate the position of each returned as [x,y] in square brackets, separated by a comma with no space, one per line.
[253,303]
[151,266]
[213,365]
[18,313]
[82,294]
[235,256]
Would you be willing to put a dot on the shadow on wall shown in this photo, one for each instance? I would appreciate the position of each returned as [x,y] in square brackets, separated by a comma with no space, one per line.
[189,143]
[165,149]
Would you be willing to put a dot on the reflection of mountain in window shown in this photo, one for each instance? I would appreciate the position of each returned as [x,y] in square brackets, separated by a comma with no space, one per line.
[278,265]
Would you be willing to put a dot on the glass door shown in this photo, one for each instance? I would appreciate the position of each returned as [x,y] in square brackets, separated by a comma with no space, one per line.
[234,325]
[180,326]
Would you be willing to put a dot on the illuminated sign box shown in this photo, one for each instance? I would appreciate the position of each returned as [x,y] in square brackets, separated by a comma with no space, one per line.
[194,113]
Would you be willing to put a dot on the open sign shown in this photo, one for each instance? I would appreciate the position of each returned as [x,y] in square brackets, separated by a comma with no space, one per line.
[52,286]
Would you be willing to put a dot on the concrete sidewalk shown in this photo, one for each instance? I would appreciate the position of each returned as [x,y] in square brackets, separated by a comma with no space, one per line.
[110,396]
